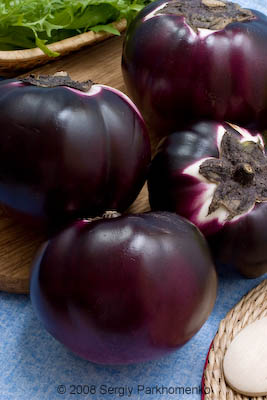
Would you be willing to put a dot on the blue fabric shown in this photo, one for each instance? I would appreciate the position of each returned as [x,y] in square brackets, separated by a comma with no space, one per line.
[33,364]
[259,5]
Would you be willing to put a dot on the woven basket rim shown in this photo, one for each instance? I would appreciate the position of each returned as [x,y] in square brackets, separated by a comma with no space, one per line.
[251,307]
[62,46]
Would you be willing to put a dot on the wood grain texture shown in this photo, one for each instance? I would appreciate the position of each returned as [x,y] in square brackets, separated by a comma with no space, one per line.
[18,244]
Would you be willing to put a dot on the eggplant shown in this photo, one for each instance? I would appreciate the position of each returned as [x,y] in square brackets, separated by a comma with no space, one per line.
[126,289]
[215,174]
[208,61]
[69,149]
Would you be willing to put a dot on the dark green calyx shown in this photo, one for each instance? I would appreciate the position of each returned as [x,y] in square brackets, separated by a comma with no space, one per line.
[240,174]
[58,79]
[208,14]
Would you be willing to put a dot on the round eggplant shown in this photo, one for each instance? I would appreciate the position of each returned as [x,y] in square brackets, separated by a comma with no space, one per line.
[69,149]
[215,174]
[208,61]
[127,289]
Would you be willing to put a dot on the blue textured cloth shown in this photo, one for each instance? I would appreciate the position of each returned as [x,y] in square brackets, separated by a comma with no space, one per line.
[34,366]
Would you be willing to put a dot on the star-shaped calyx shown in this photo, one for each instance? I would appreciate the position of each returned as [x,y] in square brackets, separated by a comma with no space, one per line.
[207,14]
[240,174]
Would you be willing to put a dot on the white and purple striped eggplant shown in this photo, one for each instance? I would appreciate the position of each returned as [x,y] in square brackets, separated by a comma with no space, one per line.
[197,59]
[69,149]
[215,174]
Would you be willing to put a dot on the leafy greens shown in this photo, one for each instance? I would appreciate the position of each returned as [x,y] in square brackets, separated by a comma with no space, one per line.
[26,24]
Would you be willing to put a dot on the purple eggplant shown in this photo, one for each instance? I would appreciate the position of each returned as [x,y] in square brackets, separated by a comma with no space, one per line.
[125,289]
[215,174]
[69,149]
[197,59]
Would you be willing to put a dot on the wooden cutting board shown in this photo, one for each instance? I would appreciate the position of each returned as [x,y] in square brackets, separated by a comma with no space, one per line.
[18,244]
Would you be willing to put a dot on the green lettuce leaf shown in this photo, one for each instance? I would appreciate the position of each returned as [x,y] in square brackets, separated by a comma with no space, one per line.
[105,28]
[25,24]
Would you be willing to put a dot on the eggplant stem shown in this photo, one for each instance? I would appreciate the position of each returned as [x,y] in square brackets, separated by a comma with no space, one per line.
[213,3]
[243,173]
[208,14]
[58,79]
[106,215]
[240,174]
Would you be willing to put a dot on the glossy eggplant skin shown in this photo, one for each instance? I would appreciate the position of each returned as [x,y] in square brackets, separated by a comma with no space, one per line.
[169,187]
[127,289]
[243,244]
[66,154]
[173,187]
[174,74]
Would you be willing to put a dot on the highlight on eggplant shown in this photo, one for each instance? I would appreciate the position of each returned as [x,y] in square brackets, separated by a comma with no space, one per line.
[215,174]
[69,149]
[208,61]
[126,289]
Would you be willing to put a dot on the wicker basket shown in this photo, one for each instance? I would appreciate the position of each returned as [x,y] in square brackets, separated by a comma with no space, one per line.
[251,307]
[19,60]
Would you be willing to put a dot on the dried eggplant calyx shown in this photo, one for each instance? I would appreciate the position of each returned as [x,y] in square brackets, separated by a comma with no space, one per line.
[240,173]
